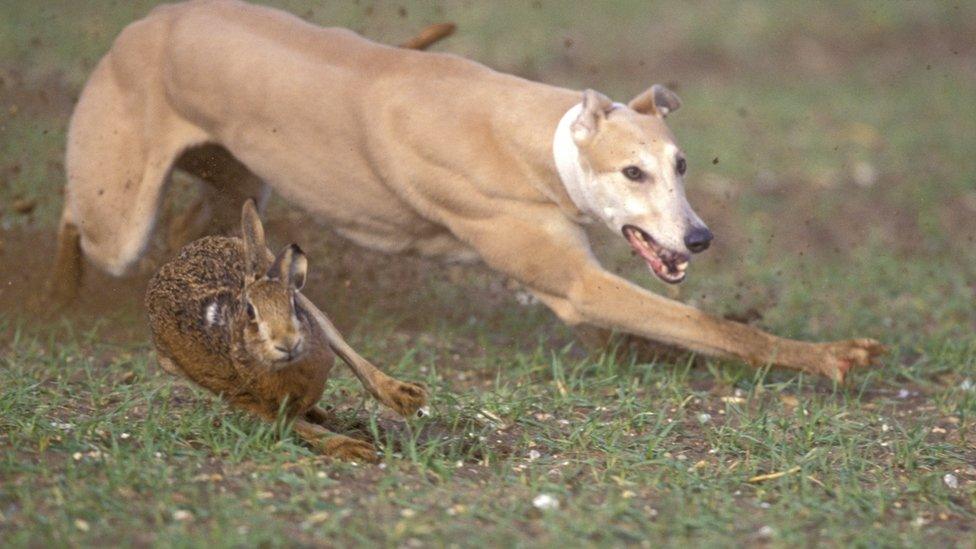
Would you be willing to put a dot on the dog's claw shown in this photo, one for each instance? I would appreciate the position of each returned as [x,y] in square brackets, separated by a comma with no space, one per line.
[841,356]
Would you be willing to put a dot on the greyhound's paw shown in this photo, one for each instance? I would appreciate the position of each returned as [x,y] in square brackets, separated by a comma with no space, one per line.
[348,449]
[840,356]
[405,398]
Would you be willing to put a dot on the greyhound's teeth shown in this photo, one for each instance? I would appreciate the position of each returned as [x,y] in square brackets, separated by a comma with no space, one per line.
[682,266]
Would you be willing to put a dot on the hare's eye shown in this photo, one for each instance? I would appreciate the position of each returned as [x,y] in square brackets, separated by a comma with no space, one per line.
[251,313]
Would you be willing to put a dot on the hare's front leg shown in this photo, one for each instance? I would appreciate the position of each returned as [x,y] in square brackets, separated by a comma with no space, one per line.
[334,444]
[403,397]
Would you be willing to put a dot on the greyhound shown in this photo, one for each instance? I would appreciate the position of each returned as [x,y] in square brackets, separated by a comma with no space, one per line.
[399,151]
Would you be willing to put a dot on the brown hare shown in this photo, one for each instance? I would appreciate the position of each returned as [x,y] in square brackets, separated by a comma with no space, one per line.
[228,315]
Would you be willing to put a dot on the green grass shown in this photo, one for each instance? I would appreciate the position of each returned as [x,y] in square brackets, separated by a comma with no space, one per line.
[624,447]
[99,446]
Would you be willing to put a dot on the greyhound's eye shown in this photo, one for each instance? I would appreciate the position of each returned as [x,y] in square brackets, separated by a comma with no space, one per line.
[633,173]
[251,313]
[682,166]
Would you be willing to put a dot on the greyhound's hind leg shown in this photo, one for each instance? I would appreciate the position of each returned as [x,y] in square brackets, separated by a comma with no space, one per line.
[67,271]
[118,161]
[227,185]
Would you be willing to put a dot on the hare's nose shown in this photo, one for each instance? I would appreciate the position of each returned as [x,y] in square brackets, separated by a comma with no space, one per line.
[291,350]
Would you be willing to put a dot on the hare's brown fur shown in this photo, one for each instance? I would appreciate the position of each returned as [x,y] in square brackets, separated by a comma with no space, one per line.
[208,353]
[229,317]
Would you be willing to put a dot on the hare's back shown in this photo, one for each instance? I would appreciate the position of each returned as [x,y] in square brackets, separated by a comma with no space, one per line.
[190,298]
[212,262]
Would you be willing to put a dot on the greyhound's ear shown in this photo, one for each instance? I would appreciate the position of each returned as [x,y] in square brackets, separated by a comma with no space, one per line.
[291,267]
[596,106]
[658,101]
[252,232]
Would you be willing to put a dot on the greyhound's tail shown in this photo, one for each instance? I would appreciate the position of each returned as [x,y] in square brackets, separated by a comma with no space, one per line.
[430,35]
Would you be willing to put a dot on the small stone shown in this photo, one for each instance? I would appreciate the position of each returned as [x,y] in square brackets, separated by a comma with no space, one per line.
[950,480]
[545,502]
[534,455]
[318,517]
[864,174]
[766,532]
[408,513]
[704,417]
[904,393]
[967,384]
[182,515]
[82,525]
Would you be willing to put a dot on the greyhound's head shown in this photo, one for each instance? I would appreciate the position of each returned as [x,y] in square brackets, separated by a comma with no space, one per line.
[620,164]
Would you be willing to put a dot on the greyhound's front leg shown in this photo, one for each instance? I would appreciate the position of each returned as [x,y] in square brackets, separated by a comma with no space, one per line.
[550,255]
[603,299]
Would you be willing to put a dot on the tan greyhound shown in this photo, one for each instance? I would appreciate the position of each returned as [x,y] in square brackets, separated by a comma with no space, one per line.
[399,151]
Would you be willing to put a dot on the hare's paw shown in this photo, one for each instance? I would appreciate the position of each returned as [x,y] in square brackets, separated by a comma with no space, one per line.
[405,398]
[348,449]
[840,356]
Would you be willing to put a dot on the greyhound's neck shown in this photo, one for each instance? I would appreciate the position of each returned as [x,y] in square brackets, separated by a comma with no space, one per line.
[565,154]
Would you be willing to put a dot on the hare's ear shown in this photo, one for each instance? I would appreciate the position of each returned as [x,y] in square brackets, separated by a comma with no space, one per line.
[290,267]
[255,251]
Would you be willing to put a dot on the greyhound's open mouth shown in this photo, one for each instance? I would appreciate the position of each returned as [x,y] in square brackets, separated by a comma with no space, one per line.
[667,264]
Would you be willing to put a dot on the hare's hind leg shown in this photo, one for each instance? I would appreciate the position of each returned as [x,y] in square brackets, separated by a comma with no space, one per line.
[353,427]
[170,365]
[334,444]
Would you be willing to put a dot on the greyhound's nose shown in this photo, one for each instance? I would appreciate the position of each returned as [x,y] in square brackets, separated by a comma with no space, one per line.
[698,239]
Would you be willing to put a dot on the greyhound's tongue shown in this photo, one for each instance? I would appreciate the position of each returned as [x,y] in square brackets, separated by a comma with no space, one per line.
[654,261]
[647,252]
